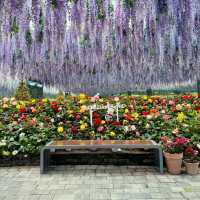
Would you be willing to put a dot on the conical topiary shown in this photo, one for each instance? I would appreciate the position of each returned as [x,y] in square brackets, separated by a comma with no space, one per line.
[22,92]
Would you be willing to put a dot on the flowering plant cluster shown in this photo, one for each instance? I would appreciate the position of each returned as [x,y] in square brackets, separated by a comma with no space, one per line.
[26,126]
[177,145]
[191,154]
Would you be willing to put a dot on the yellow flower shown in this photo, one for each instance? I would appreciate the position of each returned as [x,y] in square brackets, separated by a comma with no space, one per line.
[33,101]
[125,122]
[22,103]
[181,117]
[83,109]
[70,111]
[135,115]
[18,106]
[5,105]
[145,97]
[82,96]
[82,126]
[112,134]
[60,129]
[126,110]
[45,100]
[101,100]
[82,101]
[150,100]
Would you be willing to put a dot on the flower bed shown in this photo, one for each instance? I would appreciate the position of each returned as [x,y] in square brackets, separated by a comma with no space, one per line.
[26,126]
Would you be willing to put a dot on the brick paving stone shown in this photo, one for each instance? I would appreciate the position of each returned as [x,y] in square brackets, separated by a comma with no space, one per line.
[95,182]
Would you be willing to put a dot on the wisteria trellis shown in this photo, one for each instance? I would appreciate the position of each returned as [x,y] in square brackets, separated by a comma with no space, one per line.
[100,45]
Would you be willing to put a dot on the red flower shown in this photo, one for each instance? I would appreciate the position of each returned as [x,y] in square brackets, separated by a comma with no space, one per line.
[198,108]
[116,123]
[53,103]
[181,141]
[54,106]
[145,113]
[22,110]
[187,97]
[189,150]
[97,121]
[95,115]
[74,130]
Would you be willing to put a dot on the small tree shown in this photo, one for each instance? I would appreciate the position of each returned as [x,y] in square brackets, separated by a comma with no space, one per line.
[22,92]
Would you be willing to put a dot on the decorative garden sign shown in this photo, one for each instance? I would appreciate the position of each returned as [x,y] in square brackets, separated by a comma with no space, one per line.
[111,110]
[101,45]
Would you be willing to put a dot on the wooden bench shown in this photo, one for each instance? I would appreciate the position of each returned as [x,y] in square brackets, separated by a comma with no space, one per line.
[99,146]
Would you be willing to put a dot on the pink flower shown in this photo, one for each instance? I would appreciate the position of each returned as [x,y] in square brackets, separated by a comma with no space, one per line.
[100,129]
[181,141]
[171,103]
[164,139]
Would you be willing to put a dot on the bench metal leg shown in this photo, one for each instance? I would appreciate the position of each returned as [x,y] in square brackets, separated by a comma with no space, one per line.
[44,161]
[160,158]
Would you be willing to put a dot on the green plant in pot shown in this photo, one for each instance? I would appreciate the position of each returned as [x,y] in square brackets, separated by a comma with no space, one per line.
[173,153]
[191,160]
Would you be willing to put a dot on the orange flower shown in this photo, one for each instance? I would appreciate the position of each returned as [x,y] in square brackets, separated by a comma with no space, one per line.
[33,110]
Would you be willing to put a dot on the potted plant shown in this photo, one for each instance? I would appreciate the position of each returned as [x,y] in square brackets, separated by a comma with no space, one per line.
[173,153]
[191,160]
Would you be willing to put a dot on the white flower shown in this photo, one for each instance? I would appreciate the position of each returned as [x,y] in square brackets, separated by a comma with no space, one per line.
[2,143]
[116,99]
[22,135]
[52,120]
[133,128]
[149,116]
[5,99]
[5,153]
[41,125]
[198,146]
[126,129]
[163,111]
[14,152]
[147,125]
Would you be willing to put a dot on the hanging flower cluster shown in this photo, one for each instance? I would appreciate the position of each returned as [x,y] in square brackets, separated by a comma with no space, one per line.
[97,45]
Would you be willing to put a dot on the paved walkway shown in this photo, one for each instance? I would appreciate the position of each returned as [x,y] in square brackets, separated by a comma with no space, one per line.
[95,183]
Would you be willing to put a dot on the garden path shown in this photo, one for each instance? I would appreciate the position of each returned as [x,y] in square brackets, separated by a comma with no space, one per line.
[95,183]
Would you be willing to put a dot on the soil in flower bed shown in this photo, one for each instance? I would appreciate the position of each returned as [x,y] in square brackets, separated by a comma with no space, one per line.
[19,160]
[81,159]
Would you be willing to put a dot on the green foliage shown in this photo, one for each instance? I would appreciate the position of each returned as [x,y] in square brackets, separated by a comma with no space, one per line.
[149,92]
[22,92]
[129,3]
[54,3]
[110,8]
[14,27]
[36,89]
[198,86]
[28,37]
[100,12]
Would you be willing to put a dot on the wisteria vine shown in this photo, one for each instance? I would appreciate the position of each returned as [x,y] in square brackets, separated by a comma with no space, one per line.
[100,45]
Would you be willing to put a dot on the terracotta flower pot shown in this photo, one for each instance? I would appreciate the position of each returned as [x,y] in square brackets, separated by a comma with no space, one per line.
[191,168]
[173,162]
